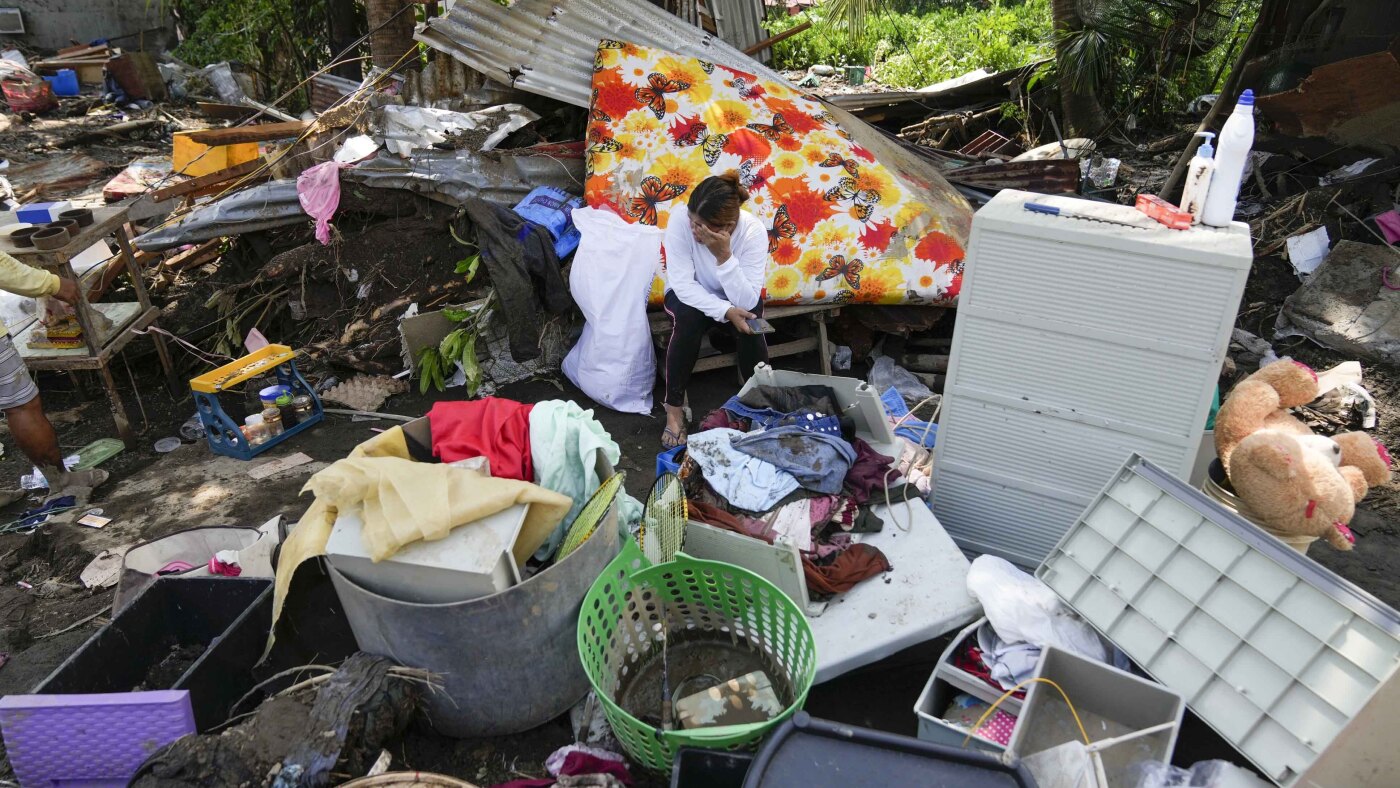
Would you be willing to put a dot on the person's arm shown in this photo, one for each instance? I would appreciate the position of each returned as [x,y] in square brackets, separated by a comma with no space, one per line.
[742,274]
[25,280]
[680,270]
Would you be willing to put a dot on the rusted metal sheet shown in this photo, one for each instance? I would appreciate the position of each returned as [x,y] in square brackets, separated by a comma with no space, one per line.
[1353,102]
[991,143]
[1051,176]
[328,90]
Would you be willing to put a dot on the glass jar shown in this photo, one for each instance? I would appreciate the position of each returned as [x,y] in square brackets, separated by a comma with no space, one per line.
[272,418]
[256,430]
[302,407]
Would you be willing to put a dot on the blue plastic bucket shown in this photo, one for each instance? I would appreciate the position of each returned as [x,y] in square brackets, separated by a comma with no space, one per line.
[65,83]
[669,461]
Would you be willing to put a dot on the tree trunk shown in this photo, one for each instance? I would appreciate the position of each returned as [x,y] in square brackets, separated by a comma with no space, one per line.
[1083,114]
[389,43]
[343,26]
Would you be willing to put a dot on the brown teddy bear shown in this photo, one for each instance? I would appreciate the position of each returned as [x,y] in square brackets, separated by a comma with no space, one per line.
[1294,482]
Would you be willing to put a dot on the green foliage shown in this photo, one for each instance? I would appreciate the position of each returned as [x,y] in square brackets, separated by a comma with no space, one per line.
[1148,58]
[282,42]
[923,45]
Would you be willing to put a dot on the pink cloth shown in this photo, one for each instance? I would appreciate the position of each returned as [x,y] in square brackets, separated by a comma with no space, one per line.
[1389,223]
[998,727]
[318,191]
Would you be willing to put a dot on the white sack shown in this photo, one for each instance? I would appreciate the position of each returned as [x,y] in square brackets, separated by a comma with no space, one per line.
[613,361]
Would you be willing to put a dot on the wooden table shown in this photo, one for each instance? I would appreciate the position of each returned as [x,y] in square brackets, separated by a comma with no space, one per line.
[98,351]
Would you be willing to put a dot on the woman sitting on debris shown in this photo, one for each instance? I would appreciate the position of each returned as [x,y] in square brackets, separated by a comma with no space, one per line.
[716,256]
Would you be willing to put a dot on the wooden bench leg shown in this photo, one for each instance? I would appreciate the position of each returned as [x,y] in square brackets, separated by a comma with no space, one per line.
[821,347]
[114,401]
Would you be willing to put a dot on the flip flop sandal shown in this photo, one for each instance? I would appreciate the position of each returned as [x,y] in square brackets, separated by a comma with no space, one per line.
[675,439]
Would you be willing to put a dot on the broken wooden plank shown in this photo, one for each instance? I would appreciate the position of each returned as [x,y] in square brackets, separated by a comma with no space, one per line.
[259,133]
[197,256]
[220,188]
[783,36]
[216,111]
[80,51]
[204,181]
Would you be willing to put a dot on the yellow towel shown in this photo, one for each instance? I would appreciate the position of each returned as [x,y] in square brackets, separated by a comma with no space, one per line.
[404,501]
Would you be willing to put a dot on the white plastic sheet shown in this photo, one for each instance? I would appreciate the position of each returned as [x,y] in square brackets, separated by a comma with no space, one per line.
[1024,610]
[613,361]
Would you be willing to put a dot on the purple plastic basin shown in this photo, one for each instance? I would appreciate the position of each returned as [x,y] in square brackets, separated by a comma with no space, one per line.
[90,740]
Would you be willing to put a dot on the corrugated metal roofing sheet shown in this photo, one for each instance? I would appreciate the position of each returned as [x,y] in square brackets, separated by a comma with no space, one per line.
[740,23]
[547,47]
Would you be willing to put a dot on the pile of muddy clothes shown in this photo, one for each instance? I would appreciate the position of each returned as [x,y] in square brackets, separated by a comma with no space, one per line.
[782,464]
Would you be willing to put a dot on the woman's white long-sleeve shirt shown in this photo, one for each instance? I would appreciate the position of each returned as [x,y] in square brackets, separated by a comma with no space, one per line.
[713,286]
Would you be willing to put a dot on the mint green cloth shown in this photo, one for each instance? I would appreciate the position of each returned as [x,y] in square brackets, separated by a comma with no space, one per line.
[565,444]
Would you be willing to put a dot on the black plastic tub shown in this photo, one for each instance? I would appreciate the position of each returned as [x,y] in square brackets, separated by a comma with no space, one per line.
[221,623]
[812,753]
[697,768]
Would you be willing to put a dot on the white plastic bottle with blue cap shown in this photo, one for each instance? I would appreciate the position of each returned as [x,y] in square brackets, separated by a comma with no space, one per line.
[1198,177]
[1231,153]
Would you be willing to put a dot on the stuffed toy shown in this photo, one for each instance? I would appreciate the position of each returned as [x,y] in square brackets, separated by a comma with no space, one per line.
[1295,483]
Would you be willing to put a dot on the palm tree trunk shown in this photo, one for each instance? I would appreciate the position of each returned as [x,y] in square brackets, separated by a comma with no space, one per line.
[1084,115]
[388,44]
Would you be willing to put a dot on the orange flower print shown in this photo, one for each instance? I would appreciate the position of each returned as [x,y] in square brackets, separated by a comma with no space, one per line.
[615,97]
[936,247]
[787,252]
[749,145]
[877,236]
[800,121]
[805,207]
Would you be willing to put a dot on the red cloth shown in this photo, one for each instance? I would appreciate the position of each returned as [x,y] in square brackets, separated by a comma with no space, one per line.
[497,429]
[854,564]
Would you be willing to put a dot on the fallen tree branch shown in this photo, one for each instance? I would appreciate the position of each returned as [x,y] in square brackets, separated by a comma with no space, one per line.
[75,624]
[114,130]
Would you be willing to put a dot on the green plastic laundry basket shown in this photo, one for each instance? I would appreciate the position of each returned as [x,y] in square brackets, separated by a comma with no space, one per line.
[618,626]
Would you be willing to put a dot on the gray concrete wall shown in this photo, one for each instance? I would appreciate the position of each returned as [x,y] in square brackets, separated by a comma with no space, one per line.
[51,24]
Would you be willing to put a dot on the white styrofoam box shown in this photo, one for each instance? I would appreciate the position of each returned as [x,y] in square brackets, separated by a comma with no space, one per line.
[1077,343]
[474,560]
[1275,652]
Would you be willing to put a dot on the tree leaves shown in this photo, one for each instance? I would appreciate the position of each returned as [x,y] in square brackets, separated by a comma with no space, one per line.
[469,265]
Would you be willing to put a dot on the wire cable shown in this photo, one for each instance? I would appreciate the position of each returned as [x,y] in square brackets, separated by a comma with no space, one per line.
[1012,691]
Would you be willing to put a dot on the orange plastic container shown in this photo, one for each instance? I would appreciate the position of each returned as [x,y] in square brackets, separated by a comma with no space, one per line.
[193,159]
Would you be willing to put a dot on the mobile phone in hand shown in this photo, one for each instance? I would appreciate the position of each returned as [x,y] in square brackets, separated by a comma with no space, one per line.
[760,326]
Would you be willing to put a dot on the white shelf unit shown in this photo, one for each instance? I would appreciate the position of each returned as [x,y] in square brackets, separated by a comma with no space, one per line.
[1077,343]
